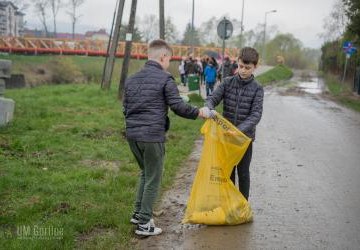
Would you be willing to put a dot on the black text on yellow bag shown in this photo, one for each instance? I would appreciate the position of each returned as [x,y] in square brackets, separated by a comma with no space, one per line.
[214,199]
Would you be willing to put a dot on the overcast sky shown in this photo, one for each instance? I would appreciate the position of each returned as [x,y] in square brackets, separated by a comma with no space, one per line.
[302,18]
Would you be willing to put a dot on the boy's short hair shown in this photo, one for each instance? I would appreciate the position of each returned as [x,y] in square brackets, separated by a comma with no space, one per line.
[158,48]
[249,55]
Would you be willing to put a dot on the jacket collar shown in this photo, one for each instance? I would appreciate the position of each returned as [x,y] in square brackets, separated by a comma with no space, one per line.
[244,81]
[153,63]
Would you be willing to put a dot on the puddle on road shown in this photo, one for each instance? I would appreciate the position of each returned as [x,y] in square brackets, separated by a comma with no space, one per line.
[313,86]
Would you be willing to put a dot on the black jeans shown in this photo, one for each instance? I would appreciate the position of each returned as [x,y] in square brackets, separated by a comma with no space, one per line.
[243,172]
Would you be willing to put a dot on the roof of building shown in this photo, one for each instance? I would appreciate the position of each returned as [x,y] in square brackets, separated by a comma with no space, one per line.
[6,3]
[99,32]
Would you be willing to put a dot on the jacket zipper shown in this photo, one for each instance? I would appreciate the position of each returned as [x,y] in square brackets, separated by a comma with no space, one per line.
[237,102]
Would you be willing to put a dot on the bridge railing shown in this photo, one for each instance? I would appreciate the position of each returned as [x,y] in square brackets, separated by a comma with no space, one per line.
[30,45]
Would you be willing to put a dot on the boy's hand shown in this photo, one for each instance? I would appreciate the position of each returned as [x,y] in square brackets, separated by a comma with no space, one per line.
[206,113]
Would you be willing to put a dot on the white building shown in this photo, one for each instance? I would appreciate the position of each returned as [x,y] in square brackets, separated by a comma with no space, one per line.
[97,35]
[11,20]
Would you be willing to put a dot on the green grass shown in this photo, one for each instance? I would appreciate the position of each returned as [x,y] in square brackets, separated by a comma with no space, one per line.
[276,74]
[342,92]
[64,164]
[90,68]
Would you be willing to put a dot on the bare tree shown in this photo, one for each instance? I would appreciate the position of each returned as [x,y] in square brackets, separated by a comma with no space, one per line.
[74,16]
[41,9]
[171,33]
[149,27]
[208,33]
[55,7]
[335,24]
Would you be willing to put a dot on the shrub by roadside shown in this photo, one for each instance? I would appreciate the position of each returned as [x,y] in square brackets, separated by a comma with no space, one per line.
[64,70]
[278,73]
[50,69]
[342,92]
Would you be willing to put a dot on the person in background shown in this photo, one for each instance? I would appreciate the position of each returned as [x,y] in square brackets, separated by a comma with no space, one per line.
[227,66]
[242,98]
[199,67]
[182,71]
[210,77]
[148,95]
[204,63]
[234,66]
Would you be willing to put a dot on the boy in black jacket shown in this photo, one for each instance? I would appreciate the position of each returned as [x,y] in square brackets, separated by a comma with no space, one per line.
[242,100]
[148,94]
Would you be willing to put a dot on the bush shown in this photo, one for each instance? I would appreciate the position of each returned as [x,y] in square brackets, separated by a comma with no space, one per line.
[64,70]
[279,72]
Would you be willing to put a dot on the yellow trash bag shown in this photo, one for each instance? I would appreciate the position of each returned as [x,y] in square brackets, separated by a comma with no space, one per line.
[214,199]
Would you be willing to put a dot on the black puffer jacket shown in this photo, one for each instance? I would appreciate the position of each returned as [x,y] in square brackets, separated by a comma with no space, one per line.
[148,94]
[243,102]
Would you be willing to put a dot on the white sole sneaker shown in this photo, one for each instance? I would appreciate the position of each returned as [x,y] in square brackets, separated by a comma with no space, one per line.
[148,229]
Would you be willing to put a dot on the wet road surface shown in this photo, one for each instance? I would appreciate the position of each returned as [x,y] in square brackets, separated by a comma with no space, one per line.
[305,183]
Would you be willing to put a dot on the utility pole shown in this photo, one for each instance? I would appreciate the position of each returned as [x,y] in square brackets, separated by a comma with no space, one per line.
[113,41]
[192,27]
[264,41]
[128,45]
[242,25]
[162,19]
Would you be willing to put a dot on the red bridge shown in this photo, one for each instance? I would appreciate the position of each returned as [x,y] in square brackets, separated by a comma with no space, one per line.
[27,45]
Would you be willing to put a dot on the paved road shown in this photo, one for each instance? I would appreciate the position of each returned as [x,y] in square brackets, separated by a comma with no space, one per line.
[305,183]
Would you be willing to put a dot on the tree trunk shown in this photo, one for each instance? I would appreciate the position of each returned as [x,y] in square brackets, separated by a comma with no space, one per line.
[73,29]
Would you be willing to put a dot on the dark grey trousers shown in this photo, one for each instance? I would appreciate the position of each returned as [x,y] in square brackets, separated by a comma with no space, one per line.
[150,157]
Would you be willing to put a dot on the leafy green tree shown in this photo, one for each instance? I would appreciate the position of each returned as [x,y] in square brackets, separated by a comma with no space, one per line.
[289,47]
[352,10]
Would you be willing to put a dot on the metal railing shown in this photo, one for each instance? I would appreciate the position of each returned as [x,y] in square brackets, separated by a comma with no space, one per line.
[30,45]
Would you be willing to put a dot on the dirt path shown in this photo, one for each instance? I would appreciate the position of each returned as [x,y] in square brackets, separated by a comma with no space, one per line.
[305,183]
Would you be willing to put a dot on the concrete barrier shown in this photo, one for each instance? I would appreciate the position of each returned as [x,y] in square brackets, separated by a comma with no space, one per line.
[7,106]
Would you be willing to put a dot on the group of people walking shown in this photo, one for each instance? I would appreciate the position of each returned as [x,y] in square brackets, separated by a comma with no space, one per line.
[207,69]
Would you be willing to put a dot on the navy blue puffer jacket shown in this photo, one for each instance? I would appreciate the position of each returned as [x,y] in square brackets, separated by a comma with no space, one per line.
[242,100]
[148,94]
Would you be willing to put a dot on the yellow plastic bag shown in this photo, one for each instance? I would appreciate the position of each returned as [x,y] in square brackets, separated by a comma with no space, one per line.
[214,199]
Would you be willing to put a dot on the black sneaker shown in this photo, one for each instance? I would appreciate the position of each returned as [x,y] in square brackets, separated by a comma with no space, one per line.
[148,229]
[135,219]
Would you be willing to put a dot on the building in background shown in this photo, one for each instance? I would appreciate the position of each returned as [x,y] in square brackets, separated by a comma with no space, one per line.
[11,20]
[97,35]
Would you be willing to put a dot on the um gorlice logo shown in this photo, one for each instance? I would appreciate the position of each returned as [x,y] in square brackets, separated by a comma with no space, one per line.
[35,232]
[221,123]
[217,175]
